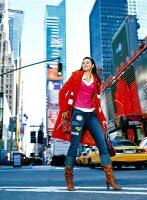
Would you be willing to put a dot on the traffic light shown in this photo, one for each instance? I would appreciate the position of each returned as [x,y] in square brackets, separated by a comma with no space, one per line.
[33,136]
[59,69]
[12,124]
[40,136]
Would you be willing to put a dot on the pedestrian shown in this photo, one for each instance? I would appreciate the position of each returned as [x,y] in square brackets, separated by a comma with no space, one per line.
[79,100]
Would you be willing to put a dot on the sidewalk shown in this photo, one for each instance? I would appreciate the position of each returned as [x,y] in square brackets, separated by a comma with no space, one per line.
[6,167]
[14,167]
[46,167]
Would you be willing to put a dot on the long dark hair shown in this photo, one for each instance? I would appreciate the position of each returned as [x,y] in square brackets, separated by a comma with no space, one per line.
[93,69]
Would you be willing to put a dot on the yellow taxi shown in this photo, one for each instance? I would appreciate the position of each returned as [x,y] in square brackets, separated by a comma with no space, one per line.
[83,158]
[143,143]
[127,154]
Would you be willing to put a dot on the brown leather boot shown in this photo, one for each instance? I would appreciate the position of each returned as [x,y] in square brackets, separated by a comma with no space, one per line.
[69,178]
[110,179]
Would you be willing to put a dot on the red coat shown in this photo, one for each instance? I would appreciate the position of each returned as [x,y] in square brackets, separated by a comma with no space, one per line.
[69,91]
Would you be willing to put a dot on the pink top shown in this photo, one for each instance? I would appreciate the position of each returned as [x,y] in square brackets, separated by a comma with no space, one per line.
[85,95]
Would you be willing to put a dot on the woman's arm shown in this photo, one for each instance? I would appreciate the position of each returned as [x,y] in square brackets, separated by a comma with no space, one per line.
[64,94]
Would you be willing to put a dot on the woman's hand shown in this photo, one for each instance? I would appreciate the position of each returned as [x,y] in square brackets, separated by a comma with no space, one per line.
[65,114]
[105,124]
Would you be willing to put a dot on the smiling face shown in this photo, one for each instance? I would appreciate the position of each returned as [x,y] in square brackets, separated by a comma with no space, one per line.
[87,65]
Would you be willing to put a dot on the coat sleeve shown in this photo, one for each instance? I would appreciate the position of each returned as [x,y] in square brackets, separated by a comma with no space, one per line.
[64,94]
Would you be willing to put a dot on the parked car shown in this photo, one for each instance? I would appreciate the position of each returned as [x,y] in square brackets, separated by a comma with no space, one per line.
[94,159]
[127,154]
[83,158]
[143,143]
[5,162]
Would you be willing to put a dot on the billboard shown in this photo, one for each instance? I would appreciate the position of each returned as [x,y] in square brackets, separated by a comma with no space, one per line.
[120,47]
[126,98]
[54,84]
[125,93]
[52,116]
[53,90]
[110,104]
[124,41]
[53,74]
[141,78]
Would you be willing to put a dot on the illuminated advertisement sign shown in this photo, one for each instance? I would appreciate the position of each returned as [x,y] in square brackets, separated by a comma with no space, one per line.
[110,104]
[141,79]
[53,74]
[53,86]
[125,41]
[125,94]
[53,91]
[53,97]
[52,116]
[120,47]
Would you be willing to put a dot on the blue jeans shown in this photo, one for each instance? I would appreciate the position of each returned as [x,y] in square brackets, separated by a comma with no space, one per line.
[89,121]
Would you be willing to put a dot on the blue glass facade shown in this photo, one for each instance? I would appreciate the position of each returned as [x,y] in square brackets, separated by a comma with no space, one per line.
[16,18]
[105,19]
[55,30]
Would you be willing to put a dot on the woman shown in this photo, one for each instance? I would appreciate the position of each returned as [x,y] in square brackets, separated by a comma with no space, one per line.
[79,100]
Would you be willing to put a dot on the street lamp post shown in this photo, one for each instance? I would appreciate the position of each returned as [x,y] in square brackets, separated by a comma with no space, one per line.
[36,63]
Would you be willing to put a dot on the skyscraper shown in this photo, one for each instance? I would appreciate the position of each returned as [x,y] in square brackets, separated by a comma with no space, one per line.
[55,45]
[105,19]
[7,81]
[15,31]
[55,30]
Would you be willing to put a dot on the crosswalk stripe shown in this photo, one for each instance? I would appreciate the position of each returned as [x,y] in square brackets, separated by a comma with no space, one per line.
[78,189]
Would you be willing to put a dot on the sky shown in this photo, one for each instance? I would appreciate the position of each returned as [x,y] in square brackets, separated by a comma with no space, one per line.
[34,78]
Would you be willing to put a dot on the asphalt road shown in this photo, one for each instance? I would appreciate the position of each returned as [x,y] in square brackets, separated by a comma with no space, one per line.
[47,182]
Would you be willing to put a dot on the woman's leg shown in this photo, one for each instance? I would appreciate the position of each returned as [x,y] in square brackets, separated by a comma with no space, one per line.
[78,120]
[95,129]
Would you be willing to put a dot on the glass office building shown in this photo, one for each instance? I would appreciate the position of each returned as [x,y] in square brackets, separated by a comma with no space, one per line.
[105,19]
[55,30]
[55,45]
[16,18]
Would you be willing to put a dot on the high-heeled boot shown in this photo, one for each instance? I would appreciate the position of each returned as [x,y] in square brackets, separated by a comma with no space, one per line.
[69,178]
[110,179]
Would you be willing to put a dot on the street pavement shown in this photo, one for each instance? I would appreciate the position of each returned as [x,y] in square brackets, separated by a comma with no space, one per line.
[47,182]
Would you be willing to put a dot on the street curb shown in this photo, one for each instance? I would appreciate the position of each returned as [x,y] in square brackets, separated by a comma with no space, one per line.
[6,167]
